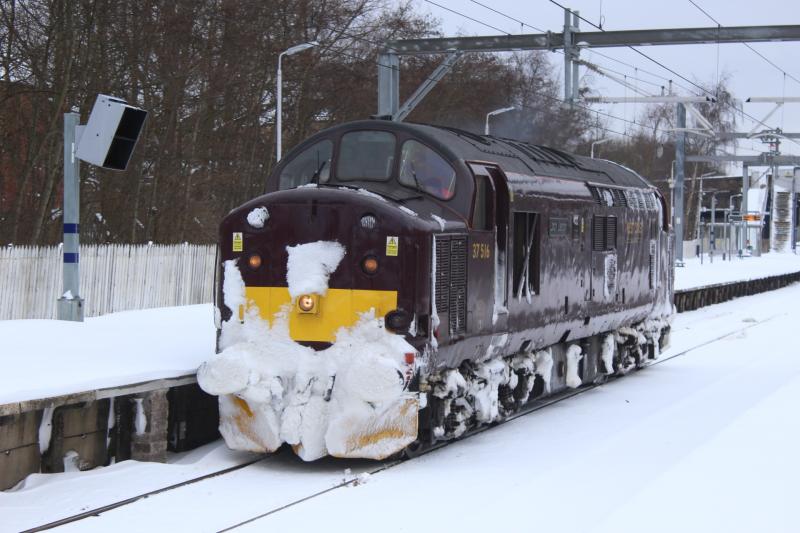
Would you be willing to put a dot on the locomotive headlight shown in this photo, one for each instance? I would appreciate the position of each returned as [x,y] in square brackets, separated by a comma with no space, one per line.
[254,261]
[369,264]
[397,321]
[307,303]
[369,222]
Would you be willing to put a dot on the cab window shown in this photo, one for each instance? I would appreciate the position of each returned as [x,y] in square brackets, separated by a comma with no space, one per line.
[366,155]
[312,164]
[423,169]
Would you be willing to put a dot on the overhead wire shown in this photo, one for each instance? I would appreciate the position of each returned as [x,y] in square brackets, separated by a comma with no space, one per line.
[632,48]
[552,98]
[702,89]
[762,56]
[508,16]
[467,16]
[523,24]
[785,74]
[623,119]
[523,106]
[615,117]
[669,80]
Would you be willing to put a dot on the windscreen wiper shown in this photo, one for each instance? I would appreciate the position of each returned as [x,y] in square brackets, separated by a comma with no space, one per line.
[315,176]
[414,175]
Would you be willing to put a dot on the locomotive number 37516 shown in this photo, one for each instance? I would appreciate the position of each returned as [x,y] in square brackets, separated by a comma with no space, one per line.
[481,251]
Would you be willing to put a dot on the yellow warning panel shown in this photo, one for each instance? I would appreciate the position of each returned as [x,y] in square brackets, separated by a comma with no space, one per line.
[392,246]
[337,308]
[238,241]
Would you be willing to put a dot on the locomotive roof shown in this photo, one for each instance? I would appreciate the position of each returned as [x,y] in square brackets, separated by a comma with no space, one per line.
[512,155]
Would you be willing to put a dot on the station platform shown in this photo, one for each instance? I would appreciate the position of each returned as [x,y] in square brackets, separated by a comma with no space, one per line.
[695,274]
[119,386]
[89,385]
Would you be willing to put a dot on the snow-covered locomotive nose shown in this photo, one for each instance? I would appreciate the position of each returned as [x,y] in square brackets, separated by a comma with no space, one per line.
[347,400]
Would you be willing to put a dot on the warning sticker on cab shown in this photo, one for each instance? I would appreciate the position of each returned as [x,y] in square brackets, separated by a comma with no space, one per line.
[238,242]
[392,246]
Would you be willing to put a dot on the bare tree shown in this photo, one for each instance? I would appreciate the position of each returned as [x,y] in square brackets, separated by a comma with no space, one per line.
[205,71]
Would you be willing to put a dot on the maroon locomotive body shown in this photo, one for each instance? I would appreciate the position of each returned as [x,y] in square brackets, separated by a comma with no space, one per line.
[510,271]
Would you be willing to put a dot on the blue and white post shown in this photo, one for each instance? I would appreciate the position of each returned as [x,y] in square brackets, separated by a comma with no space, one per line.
[70,305]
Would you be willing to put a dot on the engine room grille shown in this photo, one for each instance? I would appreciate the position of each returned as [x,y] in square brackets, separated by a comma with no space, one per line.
[619,198]
[611,232]
[442,274]
[604,233]
[652,265]
[451,281]
[598,234]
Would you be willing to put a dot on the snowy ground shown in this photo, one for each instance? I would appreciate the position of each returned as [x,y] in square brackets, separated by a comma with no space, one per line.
[44,358]
[704,441]
[694,274]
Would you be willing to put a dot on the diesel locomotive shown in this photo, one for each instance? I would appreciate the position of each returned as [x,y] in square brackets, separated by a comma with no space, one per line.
[401,284]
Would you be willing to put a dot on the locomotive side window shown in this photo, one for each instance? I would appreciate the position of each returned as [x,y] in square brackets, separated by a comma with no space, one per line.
[482,214]
[526,254]
[366,155]
[422,168]
[312,164]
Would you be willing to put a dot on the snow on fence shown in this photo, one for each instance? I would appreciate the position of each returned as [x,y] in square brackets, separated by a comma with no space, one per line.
[114,277]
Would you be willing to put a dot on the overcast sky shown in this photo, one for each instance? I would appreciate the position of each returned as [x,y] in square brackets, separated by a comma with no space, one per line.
[749,74]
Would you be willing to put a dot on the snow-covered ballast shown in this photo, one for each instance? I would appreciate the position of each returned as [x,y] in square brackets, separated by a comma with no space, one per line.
[402,283]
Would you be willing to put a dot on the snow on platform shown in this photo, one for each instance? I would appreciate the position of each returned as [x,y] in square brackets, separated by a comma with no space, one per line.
[694,274]
[703,442]
[45,358]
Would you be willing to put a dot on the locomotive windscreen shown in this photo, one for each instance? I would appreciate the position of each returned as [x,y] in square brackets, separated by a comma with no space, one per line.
[314,163]
[421,167]
[366,155]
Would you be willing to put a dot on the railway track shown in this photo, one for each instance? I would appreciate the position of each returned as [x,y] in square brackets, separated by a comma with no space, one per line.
[105,508]
[685,300]
[533,407]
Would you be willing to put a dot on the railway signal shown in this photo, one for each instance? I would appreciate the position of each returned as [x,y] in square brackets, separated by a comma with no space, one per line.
[107,141]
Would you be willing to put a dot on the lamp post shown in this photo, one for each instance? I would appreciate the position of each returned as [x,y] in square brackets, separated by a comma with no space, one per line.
[495,112]
[599,141]
[290,51]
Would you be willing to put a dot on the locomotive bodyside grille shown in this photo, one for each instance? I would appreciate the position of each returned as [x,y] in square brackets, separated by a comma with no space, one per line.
[596,195]
[649,200]
[451,281]
[604,233]
[442,273]
[619,198]
[458,285]
[598,234]
[652,265]
[611,233]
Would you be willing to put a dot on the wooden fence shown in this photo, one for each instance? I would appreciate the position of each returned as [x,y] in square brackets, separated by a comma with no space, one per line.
[114,277]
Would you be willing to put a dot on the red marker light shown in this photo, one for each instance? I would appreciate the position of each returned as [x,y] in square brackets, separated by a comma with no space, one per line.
[369,265]
[410,356]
